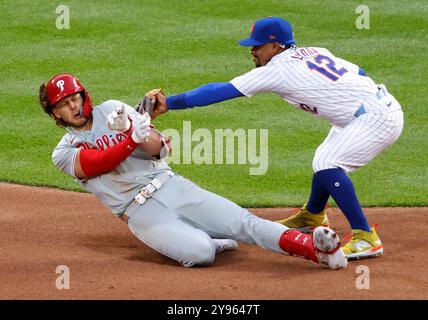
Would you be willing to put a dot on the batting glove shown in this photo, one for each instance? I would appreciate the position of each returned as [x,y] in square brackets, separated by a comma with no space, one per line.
[118,119]
[141,128]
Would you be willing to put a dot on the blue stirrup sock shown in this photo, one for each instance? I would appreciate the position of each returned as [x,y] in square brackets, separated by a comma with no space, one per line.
[340,187]
[319,196]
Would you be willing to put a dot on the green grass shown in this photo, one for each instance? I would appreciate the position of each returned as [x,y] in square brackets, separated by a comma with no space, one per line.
[120,50]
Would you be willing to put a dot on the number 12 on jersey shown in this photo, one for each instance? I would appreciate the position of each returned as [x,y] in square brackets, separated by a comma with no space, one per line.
[327,67]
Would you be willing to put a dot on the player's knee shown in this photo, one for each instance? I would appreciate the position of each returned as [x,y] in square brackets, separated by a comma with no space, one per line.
[201,254]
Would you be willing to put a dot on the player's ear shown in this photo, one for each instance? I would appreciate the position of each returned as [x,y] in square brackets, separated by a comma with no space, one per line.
[55,113]
[276,46]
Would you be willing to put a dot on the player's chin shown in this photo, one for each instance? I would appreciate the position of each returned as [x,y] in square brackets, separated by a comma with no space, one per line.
[77,122]
[257,62]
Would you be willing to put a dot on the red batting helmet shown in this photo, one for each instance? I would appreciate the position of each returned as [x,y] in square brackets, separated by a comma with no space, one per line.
[65,84]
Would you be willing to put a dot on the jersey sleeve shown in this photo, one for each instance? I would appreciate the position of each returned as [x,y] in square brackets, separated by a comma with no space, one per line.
[262,79]
[64,157]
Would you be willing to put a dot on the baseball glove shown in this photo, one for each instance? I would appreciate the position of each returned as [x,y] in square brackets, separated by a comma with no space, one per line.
[153,103]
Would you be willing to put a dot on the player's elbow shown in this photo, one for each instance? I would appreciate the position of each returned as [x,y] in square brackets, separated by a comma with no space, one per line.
[160,146]
[166,149]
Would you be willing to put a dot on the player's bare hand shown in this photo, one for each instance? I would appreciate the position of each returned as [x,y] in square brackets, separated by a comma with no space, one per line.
[118,119]
[161,106]
[141,128]
[154,103]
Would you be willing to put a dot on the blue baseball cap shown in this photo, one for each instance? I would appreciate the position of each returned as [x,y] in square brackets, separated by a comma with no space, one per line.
[267,30]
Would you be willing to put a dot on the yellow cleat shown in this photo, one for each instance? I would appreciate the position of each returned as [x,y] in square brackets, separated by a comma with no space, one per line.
[305,221]
[363,244]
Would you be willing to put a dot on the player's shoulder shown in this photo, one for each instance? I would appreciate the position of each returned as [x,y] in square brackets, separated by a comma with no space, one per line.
[109,105]
[303,53]
[325,51]
[64,143]
[103,109]
[318,49]
[70,142]
[67,140]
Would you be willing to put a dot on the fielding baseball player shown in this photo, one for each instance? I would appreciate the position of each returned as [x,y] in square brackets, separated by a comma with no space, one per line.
[365,119]
[115,153]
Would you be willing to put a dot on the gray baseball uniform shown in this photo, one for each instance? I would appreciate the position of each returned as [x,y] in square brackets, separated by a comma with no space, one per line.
[181,219]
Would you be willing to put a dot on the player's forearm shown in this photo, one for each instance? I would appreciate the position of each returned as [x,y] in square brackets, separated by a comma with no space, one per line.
[92,162]
[204,95]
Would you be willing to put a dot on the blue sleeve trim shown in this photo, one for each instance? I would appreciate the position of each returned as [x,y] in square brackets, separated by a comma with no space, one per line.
[204,95]
[361,72]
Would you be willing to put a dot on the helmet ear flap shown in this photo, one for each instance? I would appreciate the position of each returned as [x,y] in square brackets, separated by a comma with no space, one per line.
[86,109]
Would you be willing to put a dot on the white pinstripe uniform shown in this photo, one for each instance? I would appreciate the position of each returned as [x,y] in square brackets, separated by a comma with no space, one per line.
[365,118]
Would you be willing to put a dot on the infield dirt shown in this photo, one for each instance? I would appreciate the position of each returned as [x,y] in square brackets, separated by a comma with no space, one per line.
[44,228]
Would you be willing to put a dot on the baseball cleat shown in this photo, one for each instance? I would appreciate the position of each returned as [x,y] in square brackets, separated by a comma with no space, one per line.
[363,244]
[327,246]
[305,221]
[225,244]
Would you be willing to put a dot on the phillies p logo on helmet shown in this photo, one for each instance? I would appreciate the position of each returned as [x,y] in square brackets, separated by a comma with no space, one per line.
[60,84]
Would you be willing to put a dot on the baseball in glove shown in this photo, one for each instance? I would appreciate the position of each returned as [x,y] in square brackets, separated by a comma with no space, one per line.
[154,103]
